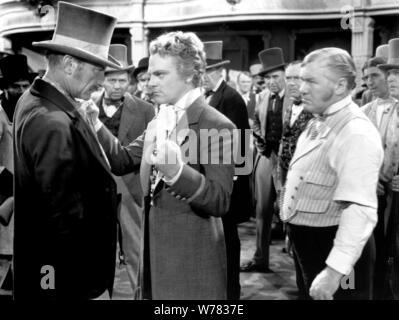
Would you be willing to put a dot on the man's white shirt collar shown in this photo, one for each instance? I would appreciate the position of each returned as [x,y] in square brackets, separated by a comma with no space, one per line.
[218,84]
[338,105]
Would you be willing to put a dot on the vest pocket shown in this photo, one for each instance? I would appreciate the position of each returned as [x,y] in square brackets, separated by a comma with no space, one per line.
[321,179]
[313,206]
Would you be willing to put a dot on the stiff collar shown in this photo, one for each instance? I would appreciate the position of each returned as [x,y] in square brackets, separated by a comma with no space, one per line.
[218,84]
[337,106]
[73,101]
[188,99]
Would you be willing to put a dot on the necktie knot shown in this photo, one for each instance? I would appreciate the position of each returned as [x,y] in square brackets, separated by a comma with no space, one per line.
[209,93]
[297,102]
[315,126]
[110,102]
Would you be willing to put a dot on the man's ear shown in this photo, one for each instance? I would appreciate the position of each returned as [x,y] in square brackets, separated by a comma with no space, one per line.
[341,86]
[69,64]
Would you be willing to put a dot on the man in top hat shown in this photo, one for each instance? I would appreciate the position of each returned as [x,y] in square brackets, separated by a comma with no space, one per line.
[330,202]
[267,129]
[14,81]
[229,102]
[387,265]
[126,117]
[65,195]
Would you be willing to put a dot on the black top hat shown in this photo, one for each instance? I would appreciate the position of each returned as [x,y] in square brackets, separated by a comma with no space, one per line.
[393,55]
[271,59]
[142,66]
[82,33]
[14,68]
[119,53]
[213,51]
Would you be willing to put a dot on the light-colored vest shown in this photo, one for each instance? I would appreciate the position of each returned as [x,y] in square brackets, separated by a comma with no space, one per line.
[311,181]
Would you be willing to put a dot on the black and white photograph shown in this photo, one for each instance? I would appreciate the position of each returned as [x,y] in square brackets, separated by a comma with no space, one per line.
[207,152]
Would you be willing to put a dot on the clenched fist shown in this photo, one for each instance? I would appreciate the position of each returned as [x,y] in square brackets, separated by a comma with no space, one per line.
[167,158]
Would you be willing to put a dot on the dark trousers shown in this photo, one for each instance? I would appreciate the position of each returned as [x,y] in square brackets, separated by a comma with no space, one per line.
[233,258]
[312,246]
[265,194]
[380,246]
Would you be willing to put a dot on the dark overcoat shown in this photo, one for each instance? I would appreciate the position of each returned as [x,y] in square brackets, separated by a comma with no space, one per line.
[229,102]
[65,201]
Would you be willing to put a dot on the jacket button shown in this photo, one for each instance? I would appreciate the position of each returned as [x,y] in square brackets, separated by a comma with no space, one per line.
[178,197]
[107,189]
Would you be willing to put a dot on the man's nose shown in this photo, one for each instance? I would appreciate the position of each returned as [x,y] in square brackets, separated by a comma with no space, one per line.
[302,87]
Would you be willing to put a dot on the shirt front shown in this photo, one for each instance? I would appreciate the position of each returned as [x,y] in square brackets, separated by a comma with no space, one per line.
[168,118]
[295,112]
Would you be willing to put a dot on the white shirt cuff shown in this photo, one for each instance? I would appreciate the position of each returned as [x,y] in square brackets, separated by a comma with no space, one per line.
[340,261]
[175,178]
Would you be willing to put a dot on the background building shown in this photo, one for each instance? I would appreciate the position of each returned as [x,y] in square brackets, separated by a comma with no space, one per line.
[245,26]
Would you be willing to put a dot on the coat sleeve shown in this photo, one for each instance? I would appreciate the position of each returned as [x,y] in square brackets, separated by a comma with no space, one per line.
[209,190]
[257,126]
[51,149]
[122,160]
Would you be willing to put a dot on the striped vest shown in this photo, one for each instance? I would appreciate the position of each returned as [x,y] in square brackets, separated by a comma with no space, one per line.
[311,181]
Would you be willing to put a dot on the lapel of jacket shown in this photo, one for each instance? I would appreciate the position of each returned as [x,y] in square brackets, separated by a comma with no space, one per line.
[287,107]
[262,107]
[47,91]
[148,147]
[386,117]
[217,97]
[128,117]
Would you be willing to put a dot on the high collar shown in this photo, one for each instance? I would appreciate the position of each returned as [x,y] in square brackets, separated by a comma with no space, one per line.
[338,105]
[187,99]
[50,92]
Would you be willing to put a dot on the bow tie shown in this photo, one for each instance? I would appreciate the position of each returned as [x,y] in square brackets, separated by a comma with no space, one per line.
[297,102]
[110,102]
[209,93]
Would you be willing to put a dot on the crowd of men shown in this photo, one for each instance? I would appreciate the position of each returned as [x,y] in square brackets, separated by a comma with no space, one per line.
[88,162]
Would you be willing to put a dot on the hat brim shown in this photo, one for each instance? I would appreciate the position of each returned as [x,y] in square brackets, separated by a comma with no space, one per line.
[216,65]
[78,53]
[4,82]
[388,66]
[272,68]
[128,68]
